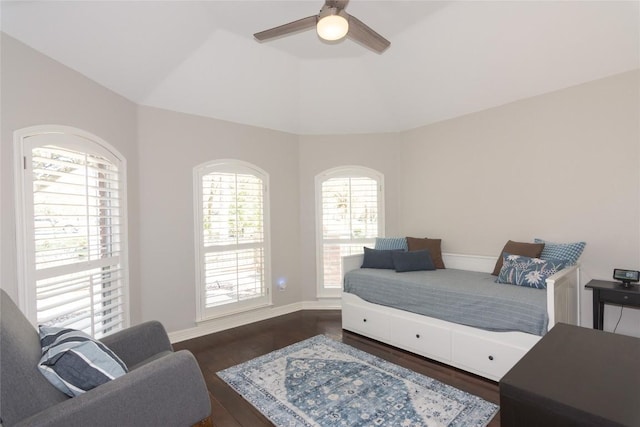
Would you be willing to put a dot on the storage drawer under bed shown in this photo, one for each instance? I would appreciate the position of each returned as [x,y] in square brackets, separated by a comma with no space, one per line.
[485,357]
[366,321]
[422,338]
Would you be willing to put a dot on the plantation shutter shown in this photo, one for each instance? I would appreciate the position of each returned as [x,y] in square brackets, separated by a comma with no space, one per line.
[350,220]
[233,239]
[75,234]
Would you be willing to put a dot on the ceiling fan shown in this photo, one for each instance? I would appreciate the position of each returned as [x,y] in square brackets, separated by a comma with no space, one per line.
[332,23]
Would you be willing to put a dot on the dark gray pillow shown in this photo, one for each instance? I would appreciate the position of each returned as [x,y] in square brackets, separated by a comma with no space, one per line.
[374,258]
[412,261]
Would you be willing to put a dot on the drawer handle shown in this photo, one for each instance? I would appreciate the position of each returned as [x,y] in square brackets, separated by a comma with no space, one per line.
[490,357]
[417,335]
[626,297]
[364,320]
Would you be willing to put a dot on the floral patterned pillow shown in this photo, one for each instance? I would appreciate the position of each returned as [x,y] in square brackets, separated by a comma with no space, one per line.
[531,272]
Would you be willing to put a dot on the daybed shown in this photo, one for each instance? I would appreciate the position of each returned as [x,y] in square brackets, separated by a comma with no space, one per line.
[488,353]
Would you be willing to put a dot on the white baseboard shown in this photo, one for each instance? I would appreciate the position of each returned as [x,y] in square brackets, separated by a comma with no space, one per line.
[323,304]
[216,325]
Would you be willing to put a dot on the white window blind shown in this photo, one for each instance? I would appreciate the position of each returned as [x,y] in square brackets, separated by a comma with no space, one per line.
[350,215]
[232,232]
[75,243]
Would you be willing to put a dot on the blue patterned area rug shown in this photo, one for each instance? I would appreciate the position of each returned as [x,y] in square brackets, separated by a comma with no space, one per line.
[321,382]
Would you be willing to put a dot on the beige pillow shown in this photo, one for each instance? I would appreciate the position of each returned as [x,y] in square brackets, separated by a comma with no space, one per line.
[432,245]
[531,250]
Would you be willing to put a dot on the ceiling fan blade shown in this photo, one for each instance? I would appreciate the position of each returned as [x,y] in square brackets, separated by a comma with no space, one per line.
[362,33]
[291,27]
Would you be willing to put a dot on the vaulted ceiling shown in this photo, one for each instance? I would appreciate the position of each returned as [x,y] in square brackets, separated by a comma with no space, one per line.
[446,58]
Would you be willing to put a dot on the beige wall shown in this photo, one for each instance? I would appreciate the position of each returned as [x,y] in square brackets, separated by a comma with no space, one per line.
[561,166]
[36,91]
[556,166]
[171,145]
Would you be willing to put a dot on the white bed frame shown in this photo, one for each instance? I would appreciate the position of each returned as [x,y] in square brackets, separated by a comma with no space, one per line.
[485,353]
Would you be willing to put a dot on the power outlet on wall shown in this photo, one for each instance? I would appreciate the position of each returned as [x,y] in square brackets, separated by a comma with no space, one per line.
[282,284]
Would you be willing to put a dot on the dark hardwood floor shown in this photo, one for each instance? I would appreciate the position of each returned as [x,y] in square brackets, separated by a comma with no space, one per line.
[228,348]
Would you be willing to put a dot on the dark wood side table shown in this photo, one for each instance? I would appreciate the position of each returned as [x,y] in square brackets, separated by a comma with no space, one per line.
[572,377]
[605,292]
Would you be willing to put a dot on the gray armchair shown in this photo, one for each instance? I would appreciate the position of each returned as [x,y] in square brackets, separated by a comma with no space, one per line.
[162,388]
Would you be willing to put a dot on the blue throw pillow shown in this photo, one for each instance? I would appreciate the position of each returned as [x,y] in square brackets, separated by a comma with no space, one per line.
[374,258]
[391,243]
[74,362]
[412,261]
[569,251]
[531,272]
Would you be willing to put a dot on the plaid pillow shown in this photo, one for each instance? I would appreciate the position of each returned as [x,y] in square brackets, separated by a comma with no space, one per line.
[569,251]
[391,243]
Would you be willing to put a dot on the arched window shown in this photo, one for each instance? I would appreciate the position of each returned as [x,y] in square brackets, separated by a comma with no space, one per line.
[72,237]
[232,226]
[350,215]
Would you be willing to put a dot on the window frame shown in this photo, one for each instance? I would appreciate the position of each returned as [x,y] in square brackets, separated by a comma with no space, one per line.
[84,142]
[350,171]
[239,167]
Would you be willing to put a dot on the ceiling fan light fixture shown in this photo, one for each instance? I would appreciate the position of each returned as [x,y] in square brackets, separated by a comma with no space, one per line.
[332,24]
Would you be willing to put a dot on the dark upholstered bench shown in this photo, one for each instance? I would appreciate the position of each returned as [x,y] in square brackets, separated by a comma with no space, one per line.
[574,377]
